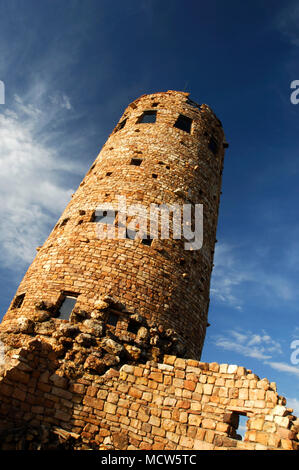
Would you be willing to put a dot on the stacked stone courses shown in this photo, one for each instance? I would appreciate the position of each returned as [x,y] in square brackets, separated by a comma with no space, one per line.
[180,404]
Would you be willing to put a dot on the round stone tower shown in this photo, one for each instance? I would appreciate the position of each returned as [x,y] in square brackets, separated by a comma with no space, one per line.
[166,149]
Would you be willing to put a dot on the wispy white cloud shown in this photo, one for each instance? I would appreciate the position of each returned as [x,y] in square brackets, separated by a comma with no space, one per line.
[31,164]
[235,276]
[258,346]
[287,22]
[295,333]
[284,367]
[227,276]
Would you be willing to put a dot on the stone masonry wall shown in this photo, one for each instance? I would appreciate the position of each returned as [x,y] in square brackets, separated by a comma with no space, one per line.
[180,404]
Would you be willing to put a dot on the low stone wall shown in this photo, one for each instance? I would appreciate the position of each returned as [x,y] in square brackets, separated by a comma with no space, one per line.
[180,404]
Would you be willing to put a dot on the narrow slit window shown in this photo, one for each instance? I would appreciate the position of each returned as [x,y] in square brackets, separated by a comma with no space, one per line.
[109,173]
[184,123]
[213,146]
[18,301]
[148,117]
[121,125]
[67,306]
[90,170]
[64,222]
[242,428]
[136,161]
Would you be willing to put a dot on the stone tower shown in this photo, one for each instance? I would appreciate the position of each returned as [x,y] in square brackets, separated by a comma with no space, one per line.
[95,338]
[166,149]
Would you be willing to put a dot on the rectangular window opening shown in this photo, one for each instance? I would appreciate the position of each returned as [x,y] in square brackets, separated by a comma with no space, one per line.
[148,117]
[136,161]
[67,306]
[18,301]
[184,123]
[112,319]
[133,327]
[238,425]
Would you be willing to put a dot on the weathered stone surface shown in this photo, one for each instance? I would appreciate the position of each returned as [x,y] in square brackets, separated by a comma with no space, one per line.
[94,364]
[112,346]
[94,327]
[136,404]
[136,300]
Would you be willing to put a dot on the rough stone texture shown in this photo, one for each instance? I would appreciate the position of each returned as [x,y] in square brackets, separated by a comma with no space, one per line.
[180,404]
[134,382]
[163,282]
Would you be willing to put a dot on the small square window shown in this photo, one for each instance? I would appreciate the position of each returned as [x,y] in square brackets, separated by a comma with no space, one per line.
[184,123]
[148,117]
[136,161]
[154,176]
[133,327]
[112,319]
[67,306]
[147,241]
[18,301]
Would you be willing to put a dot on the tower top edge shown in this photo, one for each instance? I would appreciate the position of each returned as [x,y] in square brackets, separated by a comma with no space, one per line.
[162,93]
[181,96]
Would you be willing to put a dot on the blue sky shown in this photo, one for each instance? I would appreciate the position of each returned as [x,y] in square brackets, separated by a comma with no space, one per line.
[70,68]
